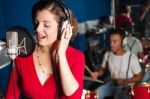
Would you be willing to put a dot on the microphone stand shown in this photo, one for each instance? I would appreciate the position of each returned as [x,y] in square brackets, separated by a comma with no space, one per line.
[13,53]
[13,69]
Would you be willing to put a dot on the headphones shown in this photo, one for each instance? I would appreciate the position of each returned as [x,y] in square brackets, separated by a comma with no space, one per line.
[121,33]
[64,21]
[125,29]
[123,36]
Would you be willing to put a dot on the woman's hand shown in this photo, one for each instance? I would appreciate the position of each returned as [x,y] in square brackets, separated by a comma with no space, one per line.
[68,80]
[65,38]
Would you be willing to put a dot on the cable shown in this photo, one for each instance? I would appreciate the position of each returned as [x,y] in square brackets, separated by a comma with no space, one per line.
[13,66]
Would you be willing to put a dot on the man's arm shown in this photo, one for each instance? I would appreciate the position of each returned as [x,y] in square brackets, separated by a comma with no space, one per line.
[98,73]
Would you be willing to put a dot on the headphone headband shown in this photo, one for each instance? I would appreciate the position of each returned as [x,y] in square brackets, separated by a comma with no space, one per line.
[64,8]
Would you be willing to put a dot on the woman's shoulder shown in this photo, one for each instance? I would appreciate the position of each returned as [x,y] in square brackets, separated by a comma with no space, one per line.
[27,58]
[75,57]
[74,52]
[23,63]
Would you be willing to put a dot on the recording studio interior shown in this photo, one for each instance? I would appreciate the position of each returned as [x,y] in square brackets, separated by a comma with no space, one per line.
[112,35]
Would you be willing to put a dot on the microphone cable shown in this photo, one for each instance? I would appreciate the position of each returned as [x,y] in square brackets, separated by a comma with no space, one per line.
[13,80]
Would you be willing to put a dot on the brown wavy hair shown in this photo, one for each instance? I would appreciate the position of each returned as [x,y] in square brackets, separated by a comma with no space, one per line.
[54,8]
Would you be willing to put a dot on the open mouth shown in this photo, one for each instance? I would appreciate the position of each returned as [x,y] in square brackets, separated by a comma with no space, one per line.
[40,37]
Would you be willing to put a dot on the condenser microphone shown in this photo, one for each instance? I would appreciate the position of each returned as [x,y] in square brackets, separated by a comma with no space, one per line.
[19,42]
[12,44]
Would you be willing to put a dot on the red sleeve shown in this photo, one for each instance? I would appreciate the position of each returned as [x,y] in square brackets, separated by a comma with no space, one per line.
[130,20]
[10,94]
[77,67]
[120,19]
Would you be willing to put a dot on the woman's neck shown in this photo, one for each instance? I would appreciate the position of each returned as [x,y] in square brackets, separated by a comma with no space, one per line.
[48,49]
[43,49]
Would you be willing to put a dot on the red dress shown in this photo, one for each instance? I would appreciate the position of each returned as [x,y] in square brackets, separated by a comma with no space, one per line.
[26,79]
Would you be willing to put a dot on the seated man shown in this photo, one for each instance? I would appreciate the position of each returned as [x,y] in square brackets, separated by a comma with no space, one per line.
[131,43]
[124,67]
[134,45]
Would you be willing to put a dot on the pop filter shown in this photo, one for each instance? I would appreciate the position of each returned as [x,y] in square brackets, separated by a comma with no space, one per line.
[26,43]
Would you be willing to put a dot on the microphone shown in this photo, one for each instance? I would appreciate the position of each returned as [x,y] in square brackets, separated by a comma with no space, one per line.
[12,44]
[19,42]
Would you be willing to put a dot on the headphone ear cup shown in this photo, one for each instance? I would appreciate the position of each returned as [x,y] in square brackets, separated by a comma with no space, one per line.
[123,36]
[62,26]
[124,42]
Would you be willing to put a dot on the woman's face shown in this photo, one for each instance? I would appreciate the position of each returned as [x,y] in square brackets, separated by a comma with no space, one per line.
[116,42]
[46,28]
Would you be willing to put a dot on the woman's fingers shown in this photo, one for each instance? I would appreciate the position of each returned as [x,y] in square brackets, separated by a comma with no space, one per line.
[67,32]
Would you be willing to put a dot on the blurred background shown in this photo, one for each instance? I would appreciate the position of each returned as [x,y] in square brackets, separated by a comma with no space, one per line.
[95,17]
